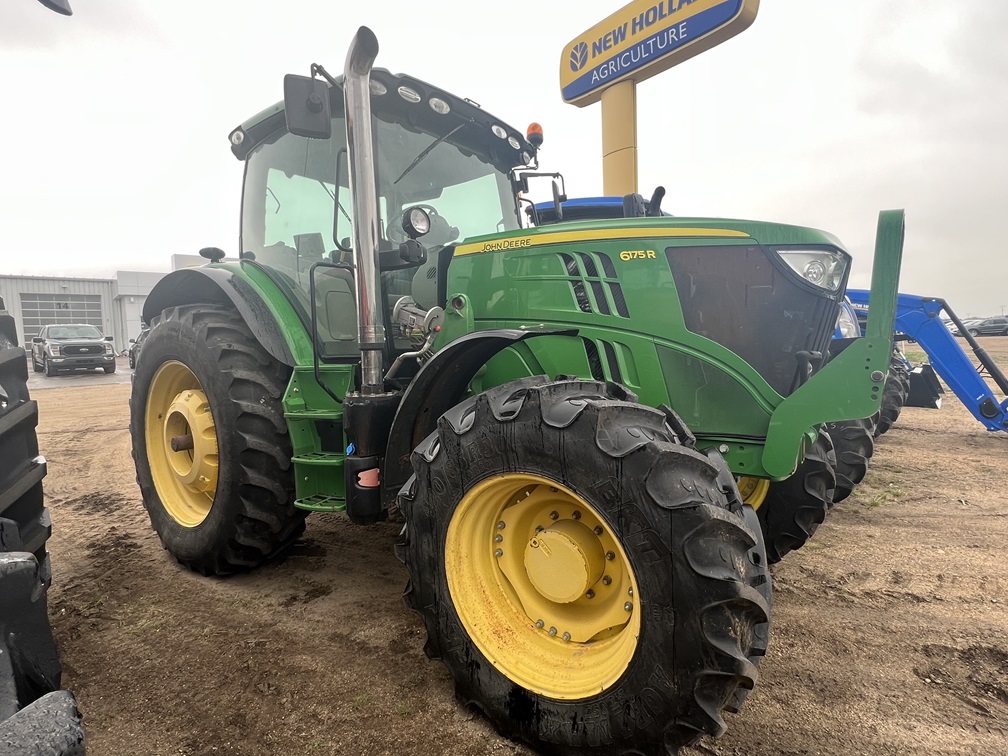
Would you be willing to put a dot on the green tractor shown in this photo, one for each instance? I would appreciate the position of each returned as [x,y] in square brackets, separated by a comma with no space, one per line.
[560,415]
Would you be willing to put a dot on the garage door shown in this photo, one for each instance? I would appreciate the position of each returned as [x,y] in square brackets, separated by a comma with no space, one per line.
[39,310]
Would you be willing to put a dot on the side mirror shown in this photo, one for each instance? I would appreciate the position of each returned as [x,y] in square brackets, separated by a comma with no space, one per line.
[37,340]
[306,107]
[60,6]
[132,341]
[109,338]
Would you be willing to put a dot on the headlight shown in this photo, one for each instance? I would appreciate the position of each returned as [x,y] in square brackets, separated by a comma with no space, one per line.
[415,222]
[848,325]
[824,268]
[54,350]
[108,348]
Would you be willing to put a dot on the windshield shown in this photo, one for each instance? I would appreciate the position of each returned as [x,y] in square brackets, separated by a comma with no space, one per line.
[74,332]
[296,209]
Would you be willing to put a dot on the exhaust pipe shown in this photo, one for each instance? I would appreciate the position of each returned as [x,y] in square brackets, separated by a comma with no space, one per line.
[363,195]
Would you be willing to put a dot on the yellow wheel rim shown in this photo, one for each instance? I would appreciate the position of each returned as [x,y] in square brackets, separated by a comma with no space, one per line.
[753,490]
[542,586]
[186,476]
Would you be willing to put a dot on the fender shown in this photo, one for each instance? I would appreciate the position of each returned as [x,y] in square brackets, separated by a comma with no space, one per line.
[220,286]
[439,386]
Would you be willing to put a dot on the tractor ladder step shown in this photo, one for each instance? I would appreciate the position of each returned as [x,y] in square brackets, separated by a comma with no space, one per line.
[317,414]
[320,481]
[321,503]
[320,459]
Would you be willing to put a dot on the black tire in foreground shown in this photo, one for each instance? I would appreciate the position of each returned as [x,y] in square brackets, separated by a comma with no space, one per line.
[24,520]
[894,394]
[854,446]
[661,628]
[33,718]
[226,503]
[794,508]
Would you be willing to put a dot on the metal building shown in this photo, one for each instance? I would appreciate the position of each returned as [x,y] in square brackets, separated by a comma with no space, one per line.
[111,304]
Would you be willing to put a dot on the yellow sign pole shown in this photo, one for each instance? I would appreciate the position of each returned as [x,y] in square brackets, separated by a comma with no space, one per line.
[641,39]
[619,139]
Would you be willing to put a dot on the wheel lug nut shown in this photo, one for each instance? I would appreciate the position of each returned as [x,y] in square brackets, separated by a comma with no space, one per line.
[498,538]
[566,636]
[540,624]
[499,553]
[576,515]
[630,591]
[540,528]
[598,530]
[606,580]
[590,594]
[628,606]
[610,555]
[554,489]
[554,515]
[552,631]
[501,525]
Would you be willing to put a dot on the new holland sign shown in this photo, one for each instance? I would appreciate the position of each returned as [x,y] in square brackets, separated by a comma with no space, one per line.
[645,38]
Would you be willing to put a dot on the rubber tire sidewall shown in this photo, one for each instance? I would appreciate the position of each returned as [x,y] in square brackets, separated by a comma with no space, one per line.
[640,701]
[173,339]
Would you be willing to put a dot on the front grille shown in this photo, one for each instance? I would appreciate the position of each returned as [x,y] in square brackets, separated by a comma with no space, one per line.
[746,299]
[81,349]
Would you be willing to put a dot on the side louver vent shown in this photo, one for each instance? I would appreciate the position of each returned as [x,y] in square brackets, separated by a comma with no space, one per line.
[594,293]
[608,371]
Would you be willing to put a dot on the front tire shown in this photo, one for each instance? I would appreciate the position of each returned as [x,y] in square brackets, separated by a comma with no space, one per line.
[109,369]
[50,371]
[227,503]
[854,446]
[668,612]
[894,394]
[794,508]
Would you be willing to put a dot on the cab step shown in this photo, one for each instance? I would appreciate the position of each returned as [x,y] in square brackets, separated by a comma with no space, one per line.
[321,503]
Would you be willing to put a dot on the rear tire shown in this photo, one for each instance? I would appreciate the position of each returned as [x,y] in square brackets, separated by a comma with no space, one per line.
[202,360]
[794,508]
[854,446]
[588,453]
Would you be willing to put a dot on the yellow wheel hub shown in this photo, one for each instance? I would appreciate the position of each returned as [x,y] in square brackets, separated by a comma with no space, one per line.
[181,444]
[753,490]
[542,585]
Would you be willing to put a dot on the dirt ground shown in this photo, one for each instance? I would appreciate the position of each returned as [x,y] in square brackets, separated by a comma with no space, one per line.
[890,628]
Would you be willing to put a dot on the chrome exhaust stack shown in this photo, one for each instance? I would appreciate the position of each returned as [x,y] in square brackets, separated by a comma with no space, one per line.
[364,198]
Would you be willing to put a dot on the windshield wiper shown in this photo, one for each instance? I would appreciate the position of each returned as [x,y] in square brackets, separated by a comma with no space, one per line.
[426,152]
[332,196]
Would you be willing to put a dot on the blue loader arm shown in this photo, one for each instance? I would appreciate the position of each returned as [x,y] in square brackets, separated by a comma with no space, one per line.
[919,318]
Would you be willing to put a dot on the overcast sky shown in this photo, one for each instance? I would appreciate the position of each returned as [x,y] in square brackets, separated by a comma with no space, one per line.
[115,122]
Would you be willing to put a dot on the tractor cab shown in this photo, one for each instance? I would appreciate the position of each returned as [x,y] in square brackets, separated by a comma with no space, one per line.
[432,150]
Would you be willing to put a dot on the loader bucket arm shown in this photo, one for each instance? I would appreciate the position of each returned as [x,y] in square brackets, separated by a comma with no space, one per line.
[831,393]
[919,318]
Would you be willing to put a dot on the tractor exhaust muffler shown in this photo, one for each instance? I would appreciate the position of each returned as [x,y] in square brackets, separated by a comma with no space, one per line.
[364,198]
